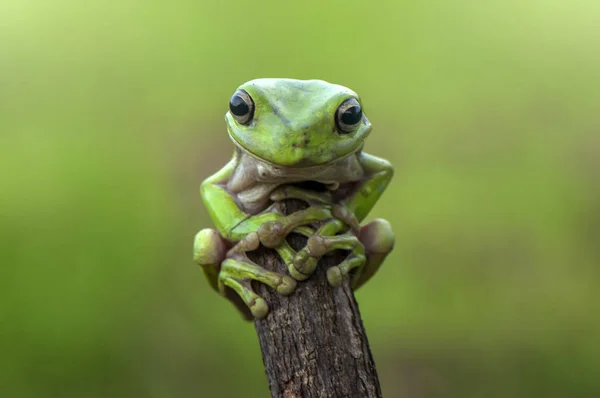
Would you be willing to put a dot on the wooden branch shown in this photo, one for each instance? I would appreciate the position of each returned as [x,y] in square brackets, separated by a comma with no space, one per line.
[313,342]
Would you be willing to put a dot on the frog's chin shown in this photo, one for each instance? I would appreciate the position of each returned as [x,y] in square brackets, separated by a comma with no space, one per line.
[300,166]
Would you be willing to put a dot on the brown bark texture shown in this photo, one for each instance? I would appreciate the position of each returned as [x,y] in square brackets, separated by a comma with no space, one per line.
[313,342]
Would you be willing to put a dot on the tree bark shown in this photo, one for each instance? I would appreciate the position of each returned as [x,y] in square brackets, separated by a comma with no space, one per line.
[313,342]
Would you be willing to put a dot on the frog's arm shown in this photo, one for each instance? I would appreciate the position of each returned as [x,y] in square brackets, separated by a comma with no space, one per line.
[234,224]
[356,203]
[229,219]
[378,174]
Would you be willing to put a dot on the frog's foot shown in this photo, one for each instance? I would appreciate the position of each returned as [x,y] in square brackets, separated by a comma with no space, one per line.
[305,261]
[285,251]
[238,275]
[272,234]
[355,259]
[294,192]
[317,246]
[209,251]
[252,242]
[378,240]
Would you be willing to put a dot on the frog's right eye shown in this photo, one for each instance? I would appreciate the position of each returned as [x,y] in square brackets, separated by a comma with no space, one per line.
[348,116]
[241,107]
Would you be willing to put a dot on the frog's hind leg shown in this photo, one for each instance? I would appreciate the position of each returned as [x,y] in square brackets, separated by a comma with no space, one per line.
[378,240]
[210,250]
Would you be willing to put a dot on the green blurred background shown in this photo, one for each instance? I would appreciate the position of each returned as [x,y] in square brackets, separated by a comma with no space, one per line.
[111,114]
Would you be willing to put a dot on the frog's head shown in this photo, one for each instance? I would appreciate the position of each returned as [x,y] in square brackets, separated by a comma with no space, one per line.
[296,123]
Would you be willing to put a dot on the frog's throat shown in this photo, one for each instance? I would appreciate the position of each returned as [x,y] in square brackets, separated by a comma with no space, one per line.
[303,168]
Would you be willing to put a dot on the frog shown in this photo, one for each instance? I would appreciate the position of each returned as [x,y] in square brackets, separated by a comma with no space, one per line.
[288,134]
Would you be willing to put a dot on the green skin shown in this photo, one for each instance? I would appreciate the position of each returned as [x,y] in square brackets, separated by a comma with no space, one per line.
[292,138]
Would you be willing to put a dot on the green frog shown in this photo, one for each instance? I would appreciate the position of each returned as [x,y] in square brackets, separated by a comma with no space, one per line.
[289,133]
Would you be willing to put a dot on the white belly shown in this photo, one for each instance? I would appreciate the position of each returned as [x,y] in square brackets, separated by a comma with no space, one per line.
[253,180]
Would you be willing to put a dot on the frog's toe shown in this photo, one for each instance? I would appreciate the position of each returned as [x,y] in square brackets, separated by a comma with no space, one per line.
[259,308]
[249,243]
[334,276]
[318,245]
[271,234]
[303,265]
[288,255]
[306,259]
[287,286]
[238,275]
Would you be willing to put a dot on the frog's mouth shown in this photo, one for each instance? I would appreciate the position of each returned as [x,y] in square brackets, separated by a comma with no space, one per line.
[315,186]
[300,166]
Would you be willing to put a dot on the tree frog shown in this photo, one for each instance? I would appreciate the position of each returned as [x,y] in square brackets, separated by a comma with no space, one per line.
[287,133]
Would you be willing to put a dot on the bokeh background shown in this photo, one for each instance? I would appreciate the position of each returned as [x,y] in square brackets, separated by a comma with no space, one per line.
[111,114]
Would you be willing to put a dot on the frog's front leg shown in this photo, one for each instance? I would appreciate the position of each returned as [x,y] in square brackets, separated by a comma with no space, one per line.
[234,224]
[377,175]
[235,270]
[270,228]
[367,252]
[377,236]
[350,210]
[325,240]
[320,245]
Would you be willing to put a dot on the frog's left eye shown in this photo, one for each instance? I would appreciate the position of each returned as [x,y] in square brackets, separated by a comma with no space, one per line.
[241,107]
[348,116]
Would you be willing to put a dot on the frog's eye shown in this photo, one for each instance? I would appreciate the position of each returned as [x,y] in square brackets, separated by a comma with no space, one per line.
[348,116]
[241,107]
